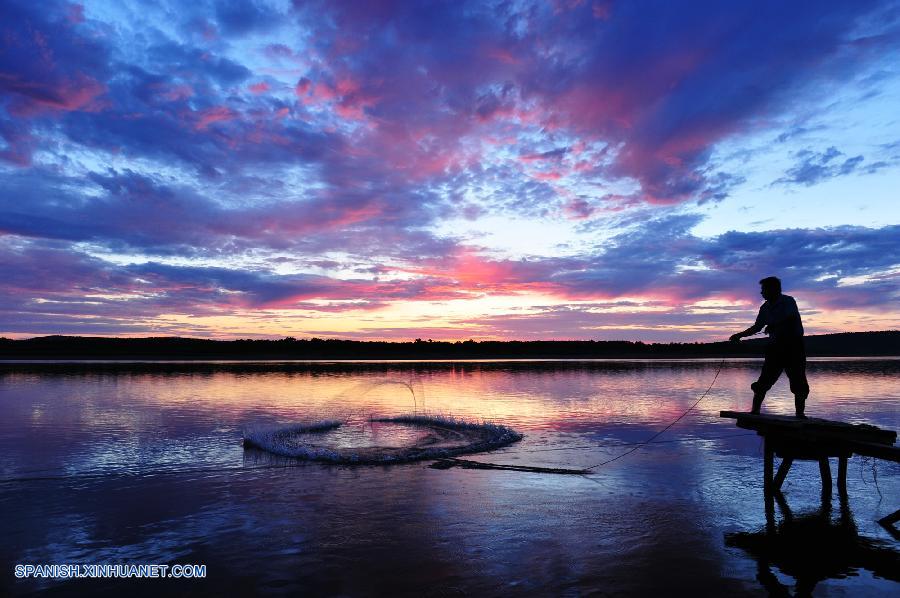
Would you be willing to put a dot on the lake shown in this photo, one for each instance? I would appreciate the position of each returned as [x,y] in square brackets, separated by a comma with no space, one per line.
[142,463]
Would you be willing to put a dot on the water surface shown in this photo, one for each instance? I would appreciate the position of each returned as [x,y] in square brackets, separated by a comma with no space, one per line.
[142,463]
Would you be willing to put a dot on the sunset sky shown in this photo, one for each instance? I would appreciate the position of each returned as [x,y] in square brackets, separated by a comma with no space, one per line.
[447,170]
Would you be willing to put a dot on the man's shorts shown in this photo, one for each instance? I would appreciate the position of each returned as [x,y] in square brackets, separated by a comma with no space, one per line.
[788,356]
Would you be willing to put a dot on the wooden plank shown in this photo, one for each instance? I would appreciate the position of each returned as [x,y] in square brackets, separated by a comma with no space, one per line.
[864,432]
[774,420]
[802,448]
[879,451]
[813,427]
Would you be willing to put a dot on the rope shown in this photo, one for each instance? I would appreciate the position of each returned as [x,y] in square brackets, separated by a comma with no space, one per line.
[447,463]
[864,461]
[466,464]
[675,421]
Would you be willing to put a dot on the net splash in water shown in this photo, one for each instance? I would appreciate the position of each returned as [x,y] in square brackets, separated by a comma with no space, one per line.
[381,440]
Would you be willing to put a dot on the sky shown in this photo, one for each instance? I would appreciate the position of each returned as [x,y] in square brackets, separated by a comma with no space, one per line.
[577,169]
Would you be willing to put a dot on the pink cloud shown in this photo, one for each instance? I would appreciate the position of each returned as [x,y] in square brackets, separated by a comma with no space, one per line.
[75,14]
[602,9]
[213,115]
[323,92]
[302,89]
[551,175]
[502,55]
[578,208]
[174,93]
[69,94]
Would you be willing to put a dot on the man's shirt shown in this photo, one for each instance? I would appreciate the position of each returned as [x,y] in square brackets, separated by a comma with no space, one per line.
[781,318]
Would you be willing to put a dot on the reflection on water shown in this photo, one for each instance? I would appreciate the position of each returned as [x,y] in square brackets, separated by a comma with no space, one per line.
[366,434]
[142,463]
[813,547]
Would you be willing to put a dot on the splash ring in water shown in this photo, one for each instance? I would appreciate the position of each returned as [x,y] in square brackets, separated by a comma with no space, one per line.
[439,437]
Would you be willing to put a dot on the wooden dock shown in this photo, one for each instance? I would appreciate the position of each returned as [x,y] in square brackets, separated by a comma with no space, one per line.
[793,439]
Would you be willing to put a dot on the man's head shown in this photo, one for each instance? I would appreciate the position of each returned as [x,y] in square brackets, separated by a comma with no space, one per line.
[770,288]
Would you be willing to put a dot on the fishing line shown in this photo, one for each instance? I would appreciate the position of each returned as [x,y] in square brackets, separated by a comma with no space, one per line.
[585,471]
[864,460]
[675,421]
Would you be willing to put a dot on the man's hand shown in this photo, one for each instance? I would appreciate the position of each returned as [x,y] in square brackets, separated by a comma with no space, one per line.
[734,338]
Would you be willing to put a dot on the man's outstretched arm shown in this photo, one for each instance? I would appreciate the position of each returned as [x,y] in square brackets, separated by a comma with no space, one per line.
[757,326]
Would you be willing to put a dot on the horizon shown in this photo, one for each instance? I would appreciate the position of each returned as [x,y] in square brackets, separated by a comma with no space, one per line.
[424,340]
[579,170]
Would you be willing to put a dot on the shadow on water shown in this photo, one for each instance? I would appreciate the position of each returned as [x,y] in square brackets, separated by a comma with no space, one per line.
[813,547]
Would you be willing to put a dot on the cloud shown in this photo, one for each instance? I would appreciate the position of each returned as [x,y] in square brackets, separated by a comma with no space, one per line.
[243,16]
[46,67]
[824,268]
[610,321]
[814,167]
[661,260]
[41,278]
[341,138]
[131,212]
[422,79]
[669,87]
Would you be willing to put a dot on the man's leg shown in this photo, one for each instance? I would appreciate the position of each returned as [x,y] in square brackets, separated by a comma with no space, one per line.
[770,371]
[758,397]
[796,373]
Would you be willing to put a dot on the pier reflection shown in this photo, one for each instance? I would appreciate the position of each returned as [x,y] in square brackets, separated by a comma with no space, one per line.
[813,547]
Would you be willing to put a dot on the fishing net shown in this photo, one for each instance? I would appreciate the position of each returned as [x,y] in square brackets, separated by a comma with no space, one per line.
[378,439]
[406,438]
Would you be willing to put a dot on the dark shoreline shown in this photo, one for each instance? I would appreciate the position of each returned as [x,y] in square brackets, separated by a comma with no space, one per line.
[848,344]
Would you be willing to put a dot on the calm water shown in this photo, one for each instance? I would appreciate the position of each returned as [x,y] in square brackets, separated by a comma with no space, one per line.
[136,463]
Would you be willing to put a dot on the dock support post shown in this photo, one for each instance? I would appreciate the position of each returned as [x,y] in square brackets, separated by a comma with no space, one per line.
[825,471]
[783,471]
[768,466]
[842,475]
[890,519]
[888,524]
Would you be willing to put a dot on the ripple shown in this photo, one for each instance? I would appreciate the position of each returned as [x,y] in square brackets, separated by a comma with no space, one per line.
[385,440]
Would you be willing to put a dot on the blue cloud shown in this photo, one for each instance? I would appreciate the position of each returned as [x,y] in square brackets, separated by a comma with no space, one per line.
[815,167]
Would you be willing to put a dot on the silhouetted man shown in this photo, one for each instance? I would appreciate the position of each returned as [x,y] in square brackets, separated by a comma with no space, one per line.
[781,319]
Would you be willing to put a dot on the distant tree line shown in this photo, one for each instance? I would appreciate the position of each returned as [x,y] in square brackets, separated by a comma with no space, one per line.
[885,343]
